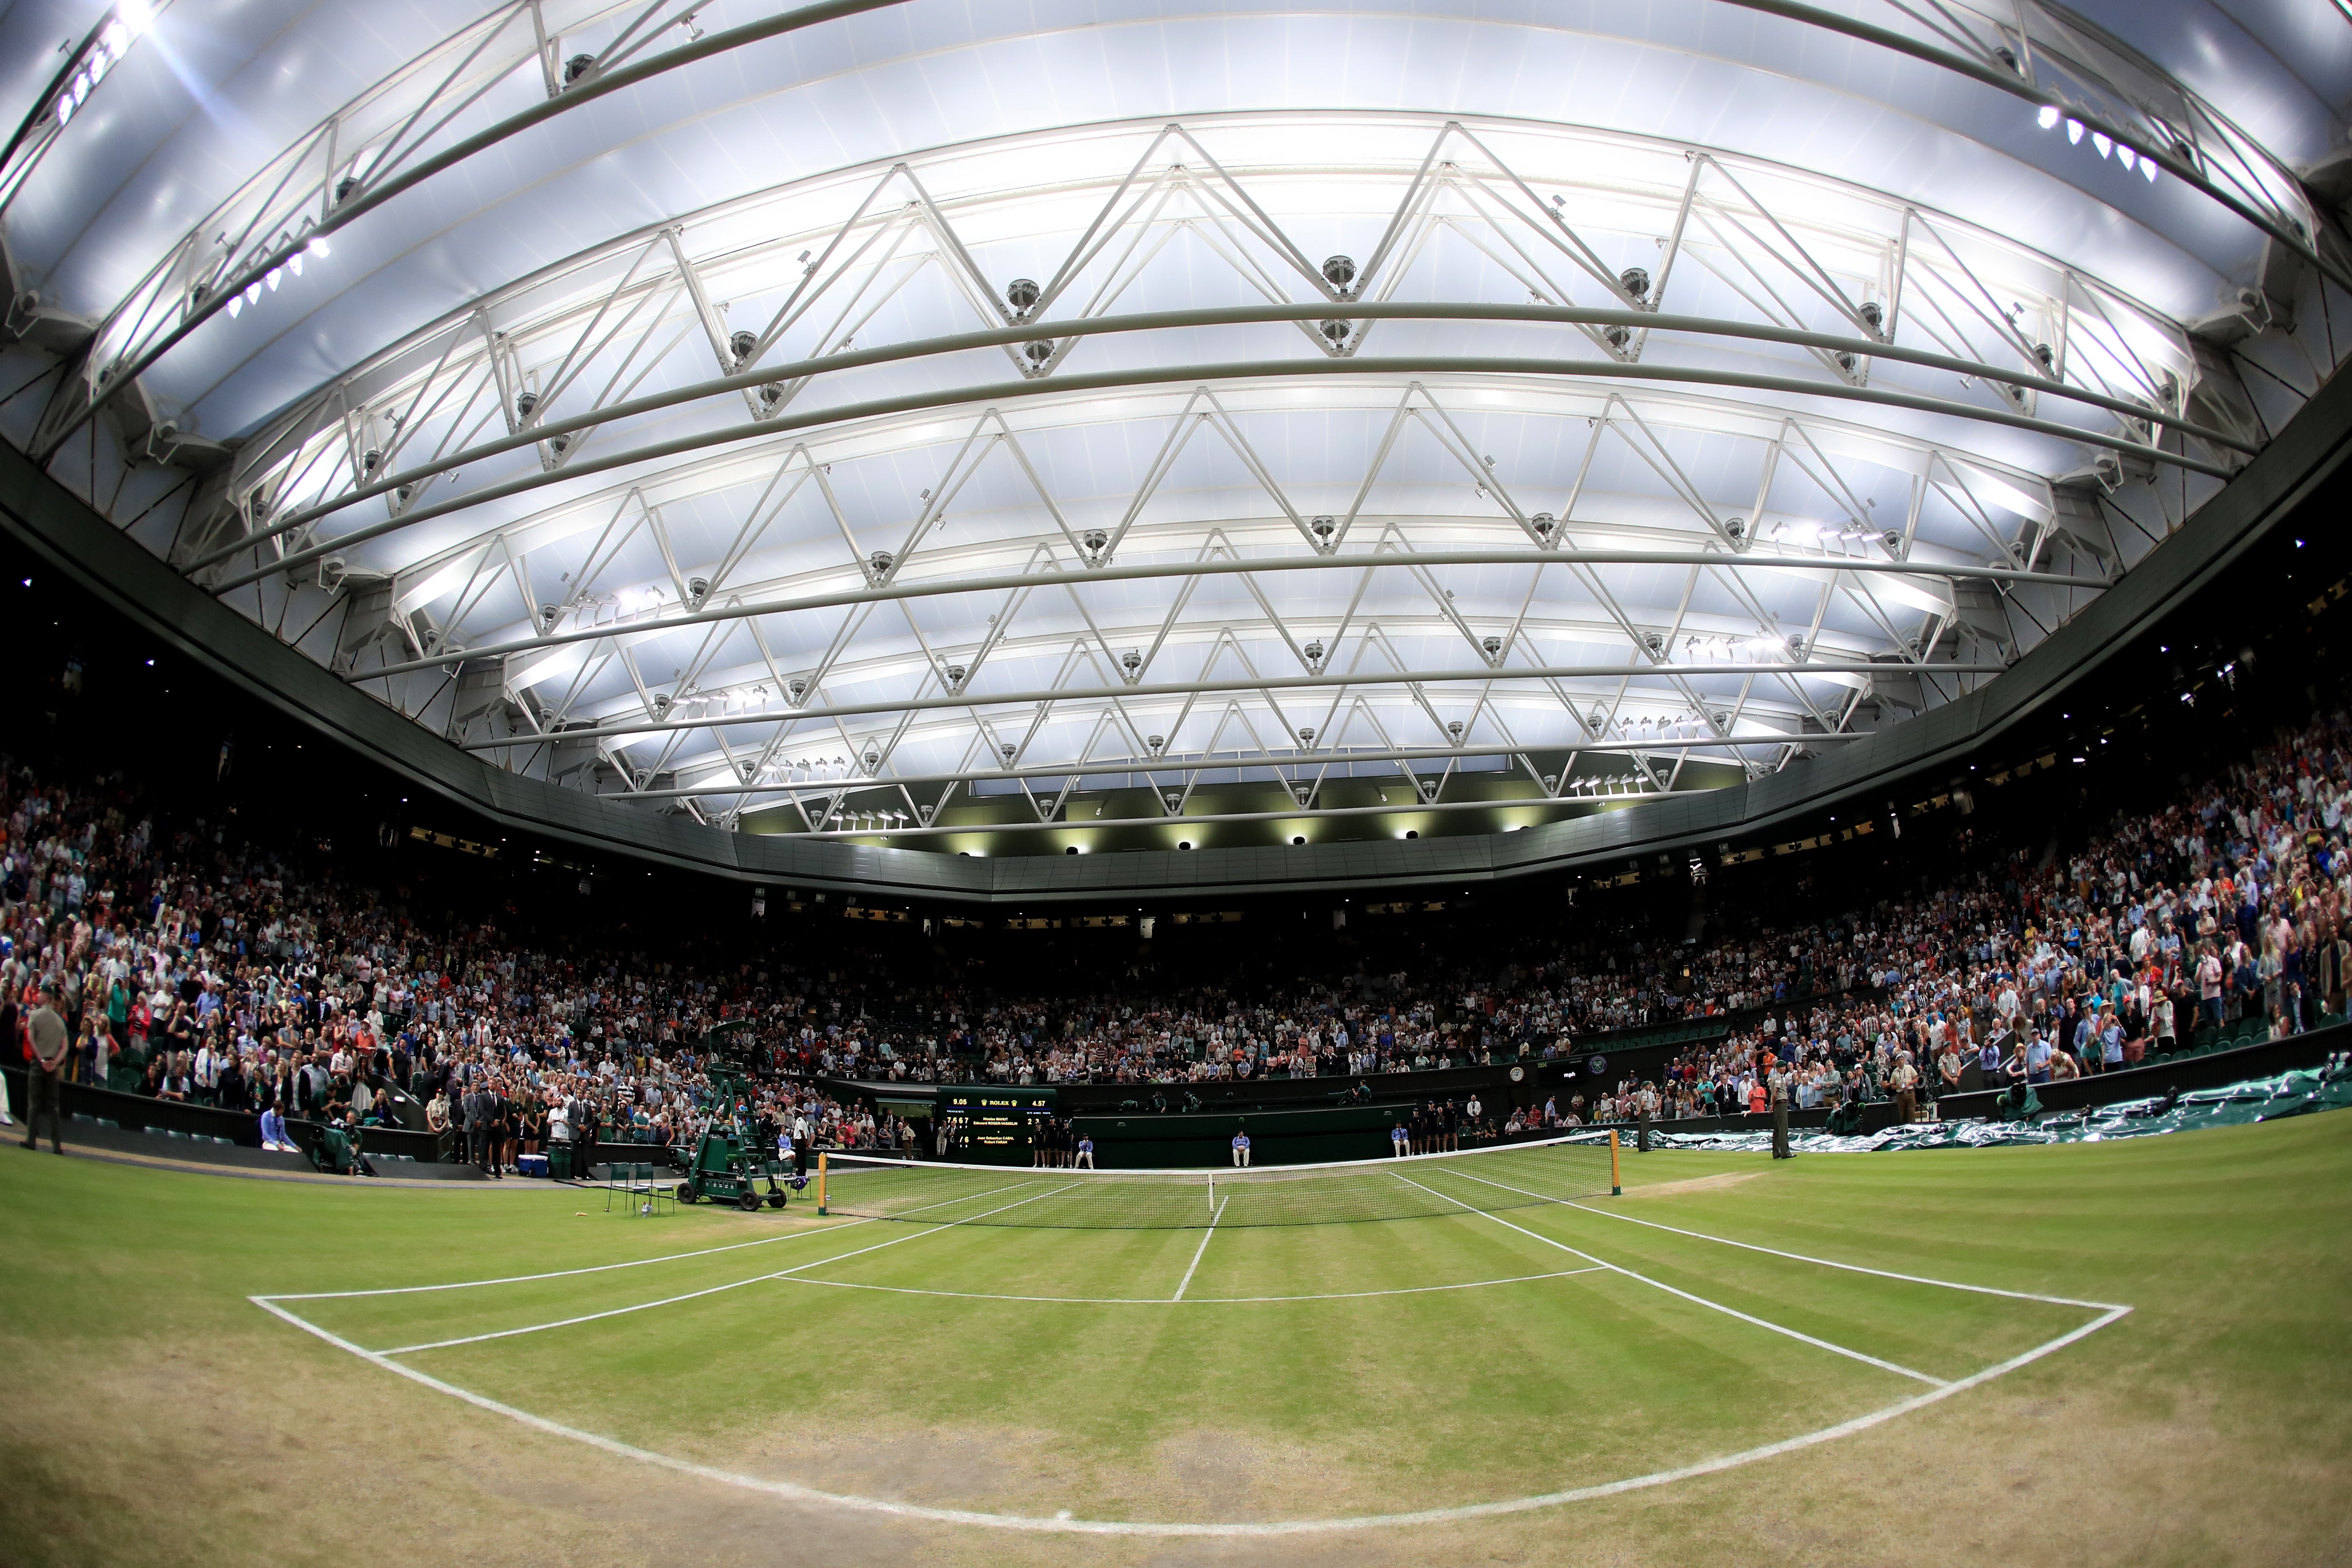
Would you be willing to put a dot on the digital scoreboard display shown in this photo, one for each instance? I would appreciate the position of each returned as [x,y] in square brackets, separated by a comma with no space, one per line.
[993,1126]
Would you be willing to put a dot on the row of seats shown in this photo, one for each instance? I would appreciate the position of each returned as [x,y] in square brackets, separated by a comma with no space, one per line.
[111,1126]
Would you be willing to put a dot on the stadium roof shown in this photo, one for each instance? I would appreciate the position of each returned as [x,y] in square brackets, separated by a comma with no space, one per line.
[895,407]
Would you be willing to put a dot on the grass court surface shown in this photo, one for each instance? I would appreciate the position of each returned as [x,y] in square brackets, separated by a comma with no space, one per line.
[2130,1353]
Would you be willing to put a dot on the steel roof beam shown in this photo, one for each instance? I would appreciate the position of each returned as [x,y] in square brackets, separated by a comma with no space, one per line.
[1158,320]
[1188,687]
[1412,366]
[1297,814]
[1191,763]
[885,591]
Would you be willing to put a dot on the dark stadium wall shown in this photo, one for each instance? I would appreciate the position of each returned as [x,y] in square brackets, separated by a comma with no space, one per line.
[2306,456]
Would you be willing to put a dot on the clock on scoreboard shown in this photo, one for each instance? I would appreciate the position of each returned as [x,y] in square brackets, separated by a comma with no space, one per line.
[993,1126]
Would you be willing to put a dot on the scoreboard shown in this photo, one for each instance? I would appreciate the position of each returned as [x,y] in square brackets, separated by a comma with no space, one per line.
[993,1126]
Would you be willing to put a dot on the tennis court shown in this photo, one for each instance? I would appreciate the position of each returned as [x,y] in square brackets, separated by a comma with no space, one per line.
[1342,1334]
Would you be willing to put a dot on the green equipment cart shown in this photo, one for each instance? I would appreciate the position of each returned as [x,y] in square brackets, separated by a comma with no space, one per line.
[724,1171]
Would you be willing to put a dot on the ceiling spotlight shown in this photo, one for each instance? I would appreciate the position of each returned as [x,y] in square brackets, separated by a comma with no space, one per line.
[1021,294]
[741,346]
[1635,281]
[2048,116]
[880,561]
[1037,353]
[1314,651]
[2074,132]
[1339,271]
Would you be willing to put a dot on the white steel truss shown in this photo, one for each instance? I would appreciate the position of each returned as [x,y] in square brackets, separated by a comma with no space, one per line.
[964,479]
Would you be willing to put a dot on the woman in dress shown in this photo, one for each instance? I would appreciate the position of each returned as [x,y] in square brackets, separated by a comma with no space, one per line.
[534,1125]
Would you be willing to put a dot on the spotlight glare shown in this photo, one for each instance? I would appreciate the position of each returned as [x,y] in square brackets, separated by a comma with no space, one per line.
[2048,117]
[2074,132]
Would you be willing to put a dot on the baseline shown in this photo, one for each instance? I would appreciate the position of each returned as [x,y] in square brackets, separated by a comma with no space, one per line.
[1063,1524]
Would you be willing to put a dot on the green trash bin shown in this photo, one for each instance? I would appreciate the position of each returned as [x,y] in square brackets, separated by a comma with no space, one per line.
[559,1162]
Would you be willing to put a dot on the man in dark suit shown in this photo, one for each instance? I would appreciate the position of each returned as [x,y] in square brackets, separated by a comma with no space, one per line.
[584,1134]
[478,1126]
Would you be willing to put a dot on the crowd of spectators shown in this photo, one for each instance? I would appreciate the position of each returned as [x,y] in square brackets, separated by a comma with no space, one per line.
[192,968]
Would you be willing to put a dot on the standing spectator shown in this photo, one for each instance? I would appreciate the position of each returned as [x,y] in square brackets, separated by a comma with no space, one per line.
[45,1055]
[1906,1079]
[1778,1089]
[476,1106]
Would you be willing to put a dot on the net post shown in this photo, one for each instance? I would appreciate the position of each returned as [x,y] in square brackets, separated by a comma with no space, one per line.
[819,1176]
[1616,1183]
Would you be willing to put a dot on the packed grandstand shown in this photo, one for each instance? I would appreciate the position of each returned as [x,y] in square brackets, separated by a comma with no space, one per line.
[246,977]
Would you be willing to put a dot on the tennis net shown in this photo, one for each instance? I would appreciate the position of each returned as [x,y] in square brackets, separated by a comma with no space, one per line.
[1517,1175]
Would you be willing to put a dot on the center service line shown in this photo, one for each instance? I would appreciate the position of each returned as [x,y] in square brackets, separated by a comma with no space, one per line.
[1199,1251]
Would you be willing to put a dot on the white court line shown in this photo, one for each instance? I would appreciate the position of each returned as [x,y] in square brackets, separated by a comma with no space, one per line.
[792,1492]
[1834,1263]
[1196,1300]
[1895,1367]
[1197,1251]
[1060,1525]
[712,1290]
[556,1274]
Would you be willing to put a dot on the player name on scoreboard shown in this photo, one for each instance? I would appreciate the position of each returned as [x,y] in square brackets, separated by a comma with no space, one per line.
[993,1126]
